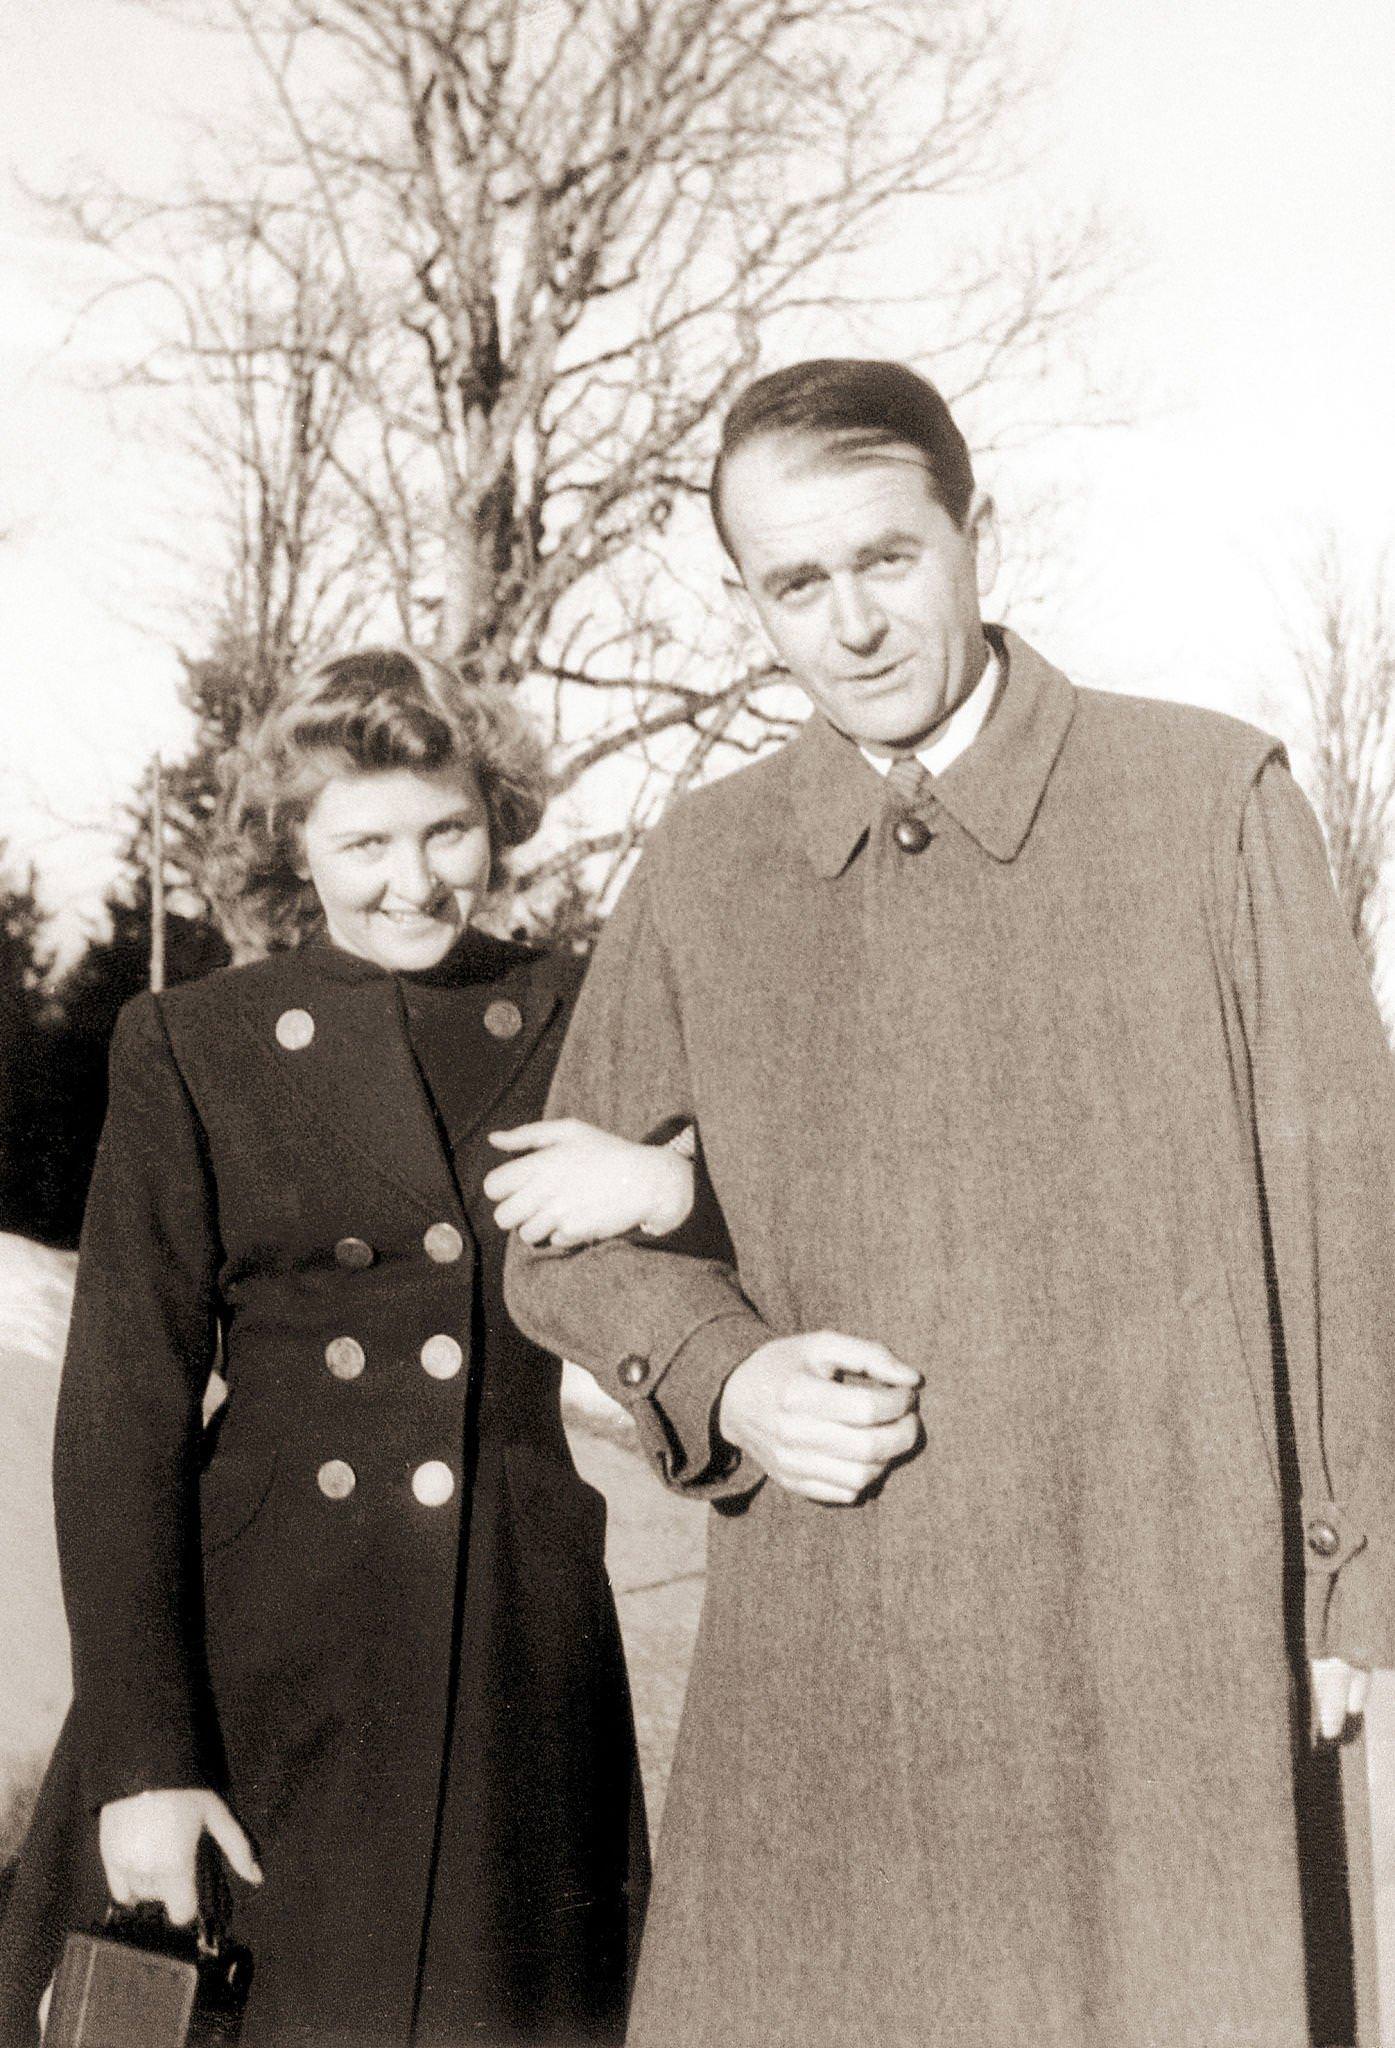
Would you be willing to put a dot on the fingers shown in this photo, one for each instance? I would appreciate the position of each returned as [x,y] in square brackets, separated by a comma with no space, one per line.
[1339,1693]
[504,1180]
[232,1839]
[839,1482]
[875,1447]
[547,1131]
[180,1899]
[828,1354]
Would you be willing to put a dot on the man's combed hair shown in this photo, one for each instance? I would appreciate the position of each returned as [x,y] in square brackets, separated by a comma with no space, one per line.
[378,708]
[852,406]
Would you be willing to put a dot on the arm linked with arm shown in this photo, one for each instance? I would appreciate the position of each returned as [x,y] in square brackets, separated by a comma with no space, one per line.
[661,1328]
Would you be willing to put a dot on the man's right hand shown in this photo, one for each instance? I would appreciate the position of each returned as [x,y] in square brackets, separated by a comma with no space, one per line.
[150,1847]
[824,1415]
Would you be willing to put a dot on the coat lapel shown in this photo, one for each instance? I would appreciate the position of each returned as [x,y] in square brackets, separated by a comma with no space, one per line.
[333,1038]
[477,1038]
[353,1087]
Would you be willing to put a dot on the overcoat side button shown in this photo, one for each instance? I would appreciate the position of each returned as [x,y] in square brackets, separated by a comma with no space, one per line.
[295,1029]
[442,1357]
[433,1483]
[633,1371]
[354,1253]
[443,1243]
[1323,1539]
[345,1357]
[503,1019]
[335,1479]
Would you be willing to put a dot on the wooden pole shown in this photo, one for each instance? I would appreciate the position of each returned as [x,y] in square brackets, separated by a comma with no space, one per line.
[157,874]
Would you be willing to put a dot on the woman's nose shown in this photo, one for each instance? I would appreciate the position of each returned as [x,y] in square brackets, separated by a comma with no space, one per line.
[412,877]
[857,619]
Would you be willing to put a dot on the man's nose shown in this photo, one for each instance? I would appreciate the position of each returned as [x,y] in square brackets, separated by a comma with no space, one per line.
[858,620]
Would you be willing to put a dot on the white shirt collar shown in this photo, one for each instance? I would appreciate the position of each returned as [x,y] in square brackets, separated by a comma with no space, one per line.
[959,730]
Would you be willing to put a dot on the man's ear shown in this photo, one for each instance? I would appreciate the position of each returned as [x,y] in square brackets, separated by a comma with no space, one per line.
[981,525]
[743,609]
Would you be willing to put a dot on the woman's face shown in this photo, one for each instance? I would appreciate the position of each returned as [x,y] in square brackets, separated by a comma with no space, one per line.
[399,859]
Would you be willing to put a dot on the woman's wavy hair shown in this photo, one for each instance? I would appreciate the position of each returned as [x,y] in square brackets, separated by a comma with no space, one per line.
[376,708]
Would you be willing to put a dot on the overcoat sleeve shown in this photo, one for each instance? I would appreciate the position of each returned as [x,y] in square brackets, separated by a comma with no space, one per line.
[1322,1089]
[660,1330]
[126,1455]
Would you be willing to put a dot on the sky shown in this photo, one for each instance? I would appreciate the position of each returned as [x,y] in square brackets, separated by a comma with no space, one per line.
[1242,150]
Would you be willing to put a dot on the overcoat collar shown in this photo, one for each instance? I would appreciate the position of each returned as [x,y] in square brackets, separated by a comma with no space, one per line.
[356,1076]
[993,791]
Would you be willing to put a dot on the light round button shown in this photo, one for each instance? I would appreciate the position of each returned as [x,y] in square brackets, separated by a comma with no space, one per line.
[442,1357]
[503,1019]
[345,1357]
[295,1029]
[433,1483]
[354,1254]
[443,1243]
[335,1479]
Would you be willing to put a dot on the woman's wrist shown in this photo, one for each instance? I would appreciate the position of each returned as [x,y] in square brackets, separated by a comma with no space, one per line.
[674,1204]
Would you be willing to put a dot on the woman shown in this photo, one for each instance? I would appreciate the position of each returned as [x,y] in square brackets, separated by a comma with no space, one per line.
[361,1619]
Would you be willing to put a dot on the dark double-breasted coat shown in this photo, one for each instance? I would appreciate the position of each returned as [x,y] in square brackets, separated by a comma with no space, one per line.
[1081,1106]
[369,1604]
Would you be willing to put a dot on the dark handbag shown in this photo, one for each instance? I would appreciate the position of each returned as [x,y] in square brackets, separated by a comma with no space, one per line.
[137,1982]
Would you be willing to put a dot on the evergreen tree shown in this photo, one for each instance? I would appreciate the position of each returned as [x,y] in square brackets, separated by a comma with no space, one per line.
[23,1015]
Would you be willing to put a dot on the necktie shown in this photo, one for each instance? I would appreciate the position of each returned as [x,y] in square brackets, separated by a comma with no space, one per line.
[909,785]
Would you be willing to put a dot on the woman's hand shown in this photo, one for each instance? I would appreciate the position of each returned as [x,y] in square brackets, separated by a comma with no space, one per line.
[574,1184]
[149,1845]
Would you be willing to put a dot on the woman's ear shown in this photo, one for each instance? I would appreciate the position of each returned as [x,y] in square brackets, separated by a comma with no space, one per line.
[981,525]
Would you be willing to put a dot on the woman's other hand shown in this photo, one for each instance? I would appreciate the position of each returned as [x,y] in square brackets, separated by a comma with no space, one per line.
[149,1846]
[573,1184]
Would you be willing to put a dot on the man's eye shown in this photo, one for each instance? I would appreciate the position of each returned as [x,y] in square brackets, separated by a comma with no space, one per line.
[804,587]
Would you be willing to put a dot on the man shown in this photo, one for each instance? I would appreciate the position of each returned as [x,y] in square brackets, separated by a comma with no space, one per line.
[1054,1131]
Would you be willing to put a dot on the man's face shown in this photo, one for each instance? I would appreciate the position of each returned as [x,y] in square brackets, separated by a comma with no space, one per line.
[866,588]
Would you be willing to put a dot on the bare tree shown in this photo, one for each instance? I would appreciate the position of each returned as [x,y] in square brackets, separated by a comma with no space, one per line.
[460,320]
[1344,652]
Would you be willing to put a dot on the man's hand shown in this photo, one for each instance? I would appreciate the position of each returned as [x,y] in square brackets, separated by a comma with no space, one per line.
[824,1415]
[1339,1694]
[149,1845]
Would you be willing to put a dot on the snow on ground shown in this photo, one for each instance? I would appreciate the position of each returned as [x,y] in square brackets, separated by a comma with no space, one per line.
[36,1287]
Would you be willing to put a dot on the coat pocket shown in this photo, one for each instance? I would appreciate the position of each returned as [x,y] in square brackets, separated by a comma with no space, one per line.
[233,1492]
[554,1500]
[1233,1433]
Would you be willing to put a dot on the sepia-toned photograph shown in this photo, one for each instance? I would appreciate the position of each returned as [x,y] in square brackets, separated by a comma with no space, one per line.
[697,1024]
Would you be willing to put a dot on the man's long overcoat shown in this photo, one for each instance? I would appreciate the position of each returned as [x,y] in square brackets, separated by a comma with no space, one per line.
[1002,1757]
[370,1605]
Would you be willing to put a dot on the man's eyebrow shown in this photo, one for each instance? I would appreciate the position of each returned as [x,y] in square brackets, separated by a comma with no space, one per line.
[789,572]
[793,572]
